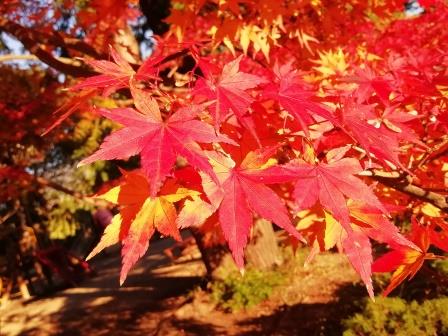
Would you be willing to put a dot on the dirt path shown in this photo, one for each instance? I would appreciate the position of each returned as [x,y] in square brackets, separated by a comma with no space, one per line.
[154,301]
[100,307]
[314,302]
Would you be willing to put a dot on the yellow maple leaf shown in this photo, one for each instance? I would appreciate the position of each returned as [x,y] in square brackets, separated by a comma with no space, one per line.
[305,39]
[140,215]
[331,63]
[333,231]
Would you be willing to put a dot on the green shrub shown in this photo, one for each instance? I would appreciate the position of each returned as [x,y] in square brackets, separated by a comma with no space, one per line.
[441,266]
[395,316]
[236,291]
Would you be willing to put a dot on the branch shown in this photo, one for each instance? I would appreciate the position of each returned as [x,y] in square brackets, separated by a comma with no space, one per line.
[12,57]
[435,152]
[172,57]
[46,183]
[403,183]
[29,57]
[35,42]
[43,182]
[8,216]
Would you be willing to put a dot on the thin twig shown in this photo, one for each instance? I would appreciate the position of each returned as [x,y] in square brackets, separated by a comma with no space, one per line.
[8,216]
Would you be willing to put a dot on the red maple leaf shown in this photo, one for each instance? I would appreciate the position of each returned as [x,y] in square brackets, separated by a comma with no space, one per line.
[243,193]
[328,183]
[438,233]
[377,141]
[406,261]
[366,222]
[389,119]
[370,222]
[395,121]
[158,141]
[359,252]
[229,91]
[118,74]
[369,82]
[376,225]
[294,96]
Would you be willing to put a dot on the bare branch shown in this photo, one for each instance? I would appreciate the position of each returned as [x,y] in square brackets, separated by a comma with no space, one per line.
[29,57]
[404,183]
[35,42]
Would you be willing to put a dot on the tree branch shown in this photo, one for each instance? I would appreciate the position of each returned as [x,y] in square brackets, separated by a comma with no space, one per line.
[35,42]
[403,183]
[43,182]
[8,216]
[436,151]
[29,57]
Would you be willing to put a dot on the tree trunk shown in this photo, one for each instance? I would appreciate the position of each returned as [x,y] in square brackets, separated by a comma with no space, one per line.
[211,256]
[263,251]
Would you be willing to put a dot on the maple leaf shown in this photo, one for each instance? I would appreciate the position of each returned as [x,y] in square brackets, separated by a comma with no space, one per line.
[414,74]
[259,37]
[305,39]
[242,193]
[326,233]
[117,74]
[229,91]
[111,236]
[390,120]
[371,222]
[376,225]
[395,121]
[140,215]
[328,183]
[366,222]
[359,252]
[71,106]
[291,92]
[158,142]
[369,82]
[377,141]
[404,260]
[331,63]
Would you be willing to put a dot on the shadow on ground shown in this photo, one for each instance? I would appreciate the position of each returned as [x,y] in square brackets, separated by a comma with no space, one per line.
[109,311]
[99,306]
[313,319]
[154,293]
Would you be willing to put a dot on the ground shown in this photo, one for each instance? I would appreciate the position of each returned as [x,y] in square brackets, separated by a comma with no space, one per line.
[161,297]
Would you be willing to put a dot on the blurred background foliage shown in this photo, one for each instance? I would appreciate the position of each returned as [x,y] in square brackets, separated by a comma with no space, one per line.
[44,198]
